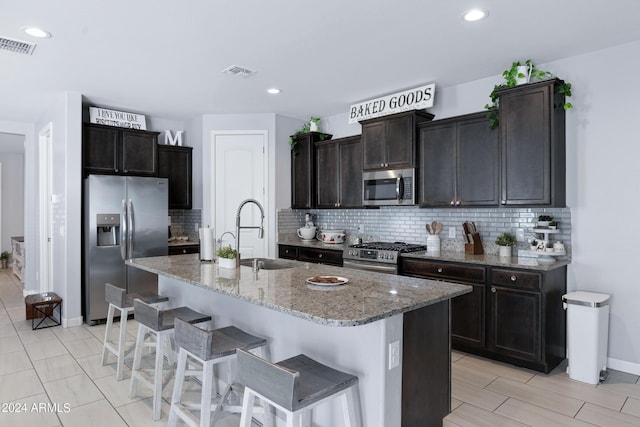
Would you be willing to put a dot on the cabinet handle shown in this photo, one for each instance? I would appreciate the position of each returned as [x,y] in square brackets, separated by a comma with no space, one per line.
[286,251]
[514,278]
[381,165]
[452,203]
[439,270]
[504,202]
[493,290]
[319,255]
[184,251]
[458,203]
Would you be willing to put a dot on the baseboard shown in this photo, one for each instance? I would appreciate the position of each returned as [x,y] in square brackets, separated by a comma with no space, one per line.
[624,366]
[76,321]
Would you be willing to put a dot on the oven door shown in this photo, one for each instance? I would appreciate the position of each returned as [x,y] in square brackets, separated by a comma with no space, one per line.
[378,267]
[388,188]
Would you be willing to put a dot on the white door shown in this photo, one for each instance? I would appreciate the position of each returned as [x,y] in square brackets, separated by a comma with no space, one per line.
[240,173]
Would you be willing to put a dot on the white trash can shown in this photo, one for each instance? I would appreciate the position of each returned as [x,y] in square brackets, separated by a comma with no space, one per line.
[588,333]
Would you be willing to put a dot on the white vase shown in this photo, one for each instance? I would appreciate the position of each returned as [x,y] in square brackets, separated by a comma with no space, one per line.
[526,71]
[227,262]
[504,251]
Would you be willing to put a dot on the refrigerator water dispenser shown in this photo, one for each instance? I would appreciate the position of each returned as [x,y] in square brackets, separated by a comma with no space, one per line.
[108,229]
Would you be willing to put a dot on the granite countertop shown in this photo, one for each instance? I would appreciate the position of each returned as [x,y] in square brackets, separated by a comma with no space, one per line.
[528,263]
[365,298]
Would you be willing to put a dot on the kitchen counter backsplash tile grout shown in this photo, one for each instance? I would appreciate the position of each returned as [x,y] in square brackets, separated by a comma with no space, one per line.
[407,224]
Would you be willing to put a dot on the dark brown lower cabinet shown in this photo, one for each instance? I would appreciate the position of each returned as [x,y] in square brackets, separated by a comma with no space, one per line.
[512,315]
[184,249]
[315,255]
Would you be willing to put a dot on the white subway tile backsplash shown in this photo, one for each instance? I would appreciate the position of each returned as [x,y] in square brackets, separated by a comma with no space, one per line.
[407,224]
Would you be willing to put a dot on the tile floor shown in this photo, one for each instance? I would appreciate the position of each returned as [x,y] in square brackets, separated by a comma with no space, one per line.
[54,377]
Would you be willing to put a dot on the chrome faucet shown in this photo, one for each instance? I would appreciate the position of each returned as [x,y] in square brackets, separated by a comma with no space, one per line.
[238,227]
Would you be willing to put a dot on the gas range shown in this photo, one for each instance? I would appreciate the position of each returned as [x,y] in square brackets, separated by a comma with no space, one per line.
[378,256]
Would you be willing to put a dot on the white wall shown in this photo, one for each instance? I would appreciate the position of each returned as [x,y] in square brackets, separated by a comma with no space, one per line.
[602,170]
[65,117]
[12,197]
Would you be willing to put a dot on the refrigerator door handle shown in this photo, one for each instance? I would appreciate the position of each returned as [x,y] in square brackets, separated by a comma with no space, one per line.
[130,229]
[123,230]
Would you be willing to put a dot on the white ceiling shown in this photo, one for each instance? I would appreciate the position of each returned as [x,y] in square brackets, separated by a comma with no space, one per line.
[164,57]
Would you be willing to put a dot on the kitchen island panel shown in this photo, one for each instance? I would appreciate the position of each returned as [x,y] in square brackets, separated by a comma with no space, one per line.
[359,350]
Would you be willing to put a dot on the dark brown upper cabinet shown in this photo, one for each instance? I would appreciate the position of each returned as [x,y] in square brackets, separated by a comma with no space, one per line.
[303,185]
[339,173]
[389,142]
[458,162]
[119,151]
[175,163]
[532,138]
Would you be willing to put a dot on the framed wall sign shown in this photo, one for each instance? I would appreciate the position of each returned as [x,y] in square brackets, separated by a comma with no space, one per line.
[103,116]
[412,99]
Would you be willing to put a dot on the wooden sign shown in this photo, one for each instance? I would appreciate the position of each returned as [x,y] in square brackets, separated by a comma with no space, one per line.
[122,119]
[412,99]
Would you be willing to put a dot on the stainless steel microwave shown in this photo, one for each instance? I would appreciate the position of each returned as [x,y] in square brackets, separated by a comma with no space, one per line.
[389,188]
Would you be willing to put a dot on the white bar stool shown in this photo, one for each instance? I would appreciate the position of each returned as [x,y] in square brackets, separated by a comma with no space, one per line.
[118,299]
[295,386]
[208,348]
[153,321]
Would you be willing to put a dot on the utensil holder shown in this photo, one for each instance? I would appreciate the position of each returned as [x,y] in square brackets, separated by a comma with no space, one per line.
[474,248]
[433,243]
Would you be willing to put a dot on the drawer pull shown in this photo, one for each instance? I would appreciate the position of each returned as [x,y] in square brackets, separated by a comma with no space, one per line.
[514,278]
[319,255]
[439,269]
[493,290]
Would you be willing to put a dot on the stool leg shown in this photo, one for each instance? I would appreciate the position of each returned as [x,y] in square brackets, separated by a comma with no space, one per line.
[157,377]
[121,345]
[349,410]
[137,359]
[207,387]
[247,408]
[107,332]
[177,387]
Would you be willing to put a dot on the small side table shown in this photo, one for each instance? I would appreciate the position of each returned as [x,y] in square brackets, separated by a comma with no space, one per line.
[46,308]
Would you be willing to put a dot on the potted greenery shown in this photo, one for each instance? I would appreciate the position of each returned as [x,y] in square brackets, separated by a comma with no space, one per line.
[4,259]
[505,241]
[227,257]
[544,220]
[534,245]
[520,73]
[553,225]
[309,126]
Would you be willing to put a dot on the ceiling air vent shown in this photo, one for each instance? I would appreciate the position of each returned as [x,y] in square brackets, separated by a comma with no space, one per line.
[17,46]
[239,71]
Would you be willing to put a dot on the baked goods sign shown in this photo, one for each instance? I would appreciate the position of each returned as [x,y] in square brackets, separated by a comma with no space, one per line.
[103,116]
[412,99]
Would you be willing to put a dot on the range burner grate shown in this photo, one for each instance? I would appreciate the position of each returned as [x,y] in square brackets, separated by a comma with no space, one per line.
[395,246]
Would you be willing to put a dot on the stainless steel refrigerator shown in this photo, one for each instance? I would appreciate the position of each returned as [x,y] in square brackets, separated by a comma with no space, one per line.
[124,217]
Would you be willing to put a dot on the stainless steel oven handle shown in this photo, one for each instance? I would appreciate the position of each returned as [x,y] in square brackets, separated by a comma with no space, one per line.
[399,188]
[370,267]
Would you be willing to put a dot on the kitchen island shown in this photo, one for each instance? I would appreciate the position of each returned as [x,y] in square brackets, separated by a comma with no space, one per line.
[353,327]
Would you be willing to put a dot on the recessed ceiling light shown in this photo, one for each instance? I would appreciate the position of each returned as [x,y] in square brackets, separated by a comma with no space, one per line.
[36,32]
[273,91]
[475,15]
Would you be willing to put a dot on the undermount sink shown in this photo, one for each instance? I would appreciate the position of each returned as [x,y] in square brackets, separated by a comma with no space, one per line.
[266,263]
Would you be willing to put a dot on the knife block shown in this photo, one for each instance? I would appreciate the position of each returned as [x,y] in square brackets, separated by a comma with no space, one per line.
[474,248]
